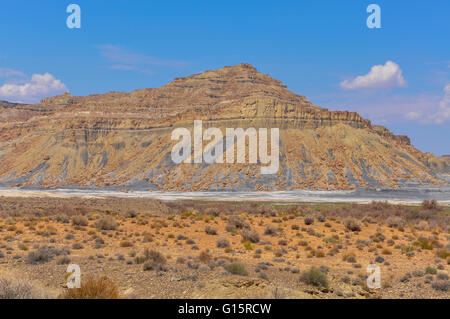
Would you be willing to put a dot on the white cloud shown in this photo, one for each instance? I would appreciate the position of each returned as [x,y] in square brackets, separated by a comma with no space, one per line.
[432,110]
[413,115]
[9,73]
[443,113]
[32,91]
[124,59]
[380,76]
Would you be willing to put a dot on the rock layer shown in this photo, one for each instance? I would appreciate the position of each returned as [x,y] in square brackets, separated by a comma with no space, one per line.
[122,140]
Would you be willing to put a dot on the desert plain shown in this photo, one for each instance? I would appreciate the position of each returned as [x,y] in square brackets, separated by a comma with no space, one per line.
[147,248]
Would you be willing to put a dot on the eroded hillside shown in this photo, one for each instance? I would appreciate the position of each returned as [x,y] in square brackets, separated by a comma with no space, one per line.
[123,140]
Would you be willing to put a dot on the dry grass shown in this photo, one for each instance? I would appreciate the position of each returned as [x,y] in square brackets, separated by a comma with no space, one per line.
[93,288]
[107,223]
[236,268]
[80,220]
[13,288]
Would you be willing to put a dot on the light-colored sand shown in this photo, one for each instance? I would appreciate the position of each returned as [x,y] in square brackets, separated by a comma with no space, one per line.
[208,196]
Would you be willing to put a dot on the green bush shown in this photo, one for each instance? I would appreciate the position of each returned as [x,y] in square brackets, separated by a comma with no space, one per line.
[431,270]
[424,244]
[236,268]
[314,277]
[443,253]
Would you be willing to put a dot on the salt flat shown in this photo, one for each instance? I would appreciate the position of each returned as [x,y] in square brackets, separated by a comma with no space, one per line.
[407,196]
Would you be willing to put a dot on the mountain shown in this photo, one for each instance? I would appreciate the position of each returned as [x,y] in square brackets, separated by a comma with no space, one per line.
[123,140]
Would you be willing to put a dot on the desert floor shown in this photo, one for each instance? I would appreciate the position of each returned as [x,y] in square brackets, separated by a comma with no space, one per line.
[199,249]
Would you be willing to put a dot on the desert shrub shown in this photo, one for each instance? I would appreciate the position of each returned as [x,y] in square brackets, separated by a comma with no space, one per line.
[250,235]
[158,224]
[247,244]
[156,256]
[314,277]
[93,288]
[107,223]
[236,222]
[44,254]
[443,253]
[80,220]
[386,251]
[131,214]
[379,259]
[441,285]
[352,224]
[64,260]
[282,242]
[210,230]
[422,225]
[153,260]
[418,273]
[442,276]
[321,218]
[407,249]
[126,243]
[378,237]
[236,268]
[395,221]
[205,257]
[368,219]
[12,288]
[318,253]
[222,243]
[309,220]
[148,266]
[429,204]
[62,219]
[303,243]
[151,265]
[350,258]
[424,243]
[77,246]
[431,270]
[271,230]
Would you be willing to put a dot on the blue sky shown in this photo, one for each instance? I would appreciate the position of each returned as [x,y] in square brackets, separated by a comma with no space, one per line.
[317,48]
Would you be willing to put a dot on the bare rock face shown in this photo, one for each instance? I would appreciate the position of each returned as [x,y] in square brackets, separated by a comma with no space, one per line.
[123,140]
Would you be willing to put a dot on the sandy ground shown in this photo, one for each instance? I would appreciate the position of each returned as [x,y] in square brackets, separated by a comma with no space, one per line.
[195,266]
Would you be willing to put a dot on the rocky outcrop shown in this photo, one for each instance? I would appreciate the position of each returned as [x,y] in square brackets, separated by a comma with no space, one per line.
[123,140]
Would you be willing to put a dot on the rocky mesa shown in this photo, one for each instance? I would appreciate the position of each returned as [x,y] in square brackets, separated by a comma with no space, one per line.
[123,140]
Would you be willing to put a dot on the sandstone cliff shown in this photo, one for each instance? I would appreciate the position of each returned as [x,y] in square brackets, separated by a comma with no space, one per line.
[123,140]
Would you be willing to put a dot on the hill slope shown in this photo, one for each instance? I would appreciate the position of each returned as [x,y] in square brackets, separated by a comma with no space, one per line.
[123,140]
